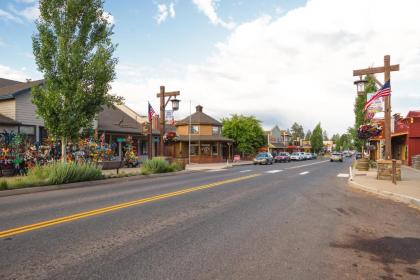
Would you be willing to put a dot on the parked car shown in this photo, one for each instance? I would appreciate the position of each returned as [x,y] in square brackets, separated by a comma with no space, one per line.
[358,155]
[314,155]
[308,155]
[263,158]
[336,157]
[282,157]
[296,156]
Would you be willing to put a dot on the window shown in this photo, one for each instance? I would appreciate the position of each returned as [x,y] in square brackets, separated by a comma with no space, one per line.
[195,129]
[194,149]
[214,149]
[216,130]
[28,130]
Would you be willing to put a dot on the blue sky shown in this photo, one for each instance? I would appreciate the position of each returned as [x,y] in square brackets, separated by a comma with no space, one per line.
[280,60]
[187,38]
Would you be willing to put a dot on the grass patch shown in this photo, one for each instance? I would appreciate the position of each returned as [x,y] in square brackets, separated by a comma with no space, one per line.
[159,165]
[54,174]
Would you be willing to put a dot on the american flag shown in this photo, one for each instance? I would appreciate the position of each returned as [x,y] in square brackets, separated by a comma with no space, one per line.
[385,90]
[151,113]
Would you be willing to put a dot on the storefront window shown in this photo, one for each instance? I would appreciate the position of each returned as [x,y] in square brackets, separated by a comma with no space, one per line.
[214,150]
[205,149]
[194,149]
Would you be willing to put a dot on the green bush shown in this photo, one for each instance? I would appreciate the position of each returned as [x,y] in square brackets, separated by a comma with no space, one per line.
[60,173]
[159,165]
[54,174]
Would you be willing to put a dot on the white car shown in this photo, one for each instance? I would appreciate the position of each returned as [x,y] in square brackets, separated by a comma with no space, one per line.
[308,156]
[296,156]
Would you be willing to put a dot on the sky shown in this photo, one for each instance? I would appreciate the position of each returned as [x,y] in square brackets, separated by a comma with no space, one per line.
[280,60]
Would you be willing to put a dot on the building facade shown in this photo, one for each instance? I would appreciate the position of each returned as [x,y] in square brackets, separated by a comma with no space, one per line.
[199,138]
[405,138]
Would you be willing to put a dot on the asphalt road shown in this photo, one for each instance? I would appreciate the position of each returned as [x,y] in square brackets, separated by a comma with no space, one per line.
[285,221]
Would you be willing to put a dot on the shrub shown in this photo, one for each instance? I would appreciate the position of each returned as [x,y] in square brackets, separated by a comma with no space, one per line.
[63,173]
[54,174]
[158,165]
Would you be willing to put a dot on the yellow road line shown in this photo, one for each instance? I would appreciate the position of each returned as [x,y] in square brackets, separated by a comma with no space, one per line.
[81,215]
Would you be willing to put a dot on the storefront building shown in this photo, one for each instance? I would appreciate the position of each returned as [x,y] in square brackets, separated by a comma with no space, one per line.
[204,139]
[405,139]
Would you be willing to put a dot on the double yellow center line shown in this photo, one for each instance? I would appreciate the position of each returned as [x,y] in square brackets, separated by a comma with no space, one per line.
[82,215]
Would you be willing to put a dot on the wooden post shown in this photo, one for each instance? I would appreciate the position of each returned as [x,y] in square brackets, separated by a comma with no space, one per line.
[386,69]
[394,171]
[387,128]
[162,119]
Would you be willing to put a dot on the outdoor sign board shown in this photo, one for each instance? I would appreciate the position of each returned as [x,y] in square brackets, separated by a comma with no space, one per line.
[120,139]
[377,105]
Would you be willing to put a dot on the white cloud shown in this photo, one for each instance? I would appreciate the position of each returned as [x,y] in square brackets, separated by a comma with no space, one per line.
[9,16]
[8,73]
[108,17]
[165,10]
[29,13]
[208,7]
[298,67]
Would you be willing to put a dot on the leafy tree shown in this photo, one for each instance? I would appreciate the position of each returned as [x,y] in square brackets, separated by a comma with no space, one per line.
[325,135]
[308,135]
[358,110]
[297,131]
[316,139]
[73,50]
[246,131]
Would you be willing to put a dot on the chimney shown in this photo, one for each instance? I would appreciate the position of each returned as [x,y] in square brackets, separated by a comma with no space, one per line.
[199,108]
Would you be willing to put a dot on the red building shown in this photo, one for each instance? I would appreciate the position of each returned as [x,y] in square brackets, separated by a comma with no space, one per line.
[405,138]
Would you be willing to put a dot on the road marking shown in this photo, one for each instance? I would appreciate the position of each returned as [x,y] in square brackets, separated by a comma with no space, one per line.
[81,215]
[216,170]
[294,167]
[343,175]
[244,171]
[304,173]
[273,171]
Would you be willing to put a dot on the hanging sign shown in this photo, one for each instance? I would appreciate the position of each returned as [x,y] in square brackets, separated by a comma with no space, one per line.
[377,105]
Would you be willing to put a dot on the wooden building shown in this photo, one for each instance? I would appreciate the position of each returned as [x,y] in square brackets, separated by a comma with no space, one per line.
[207,144]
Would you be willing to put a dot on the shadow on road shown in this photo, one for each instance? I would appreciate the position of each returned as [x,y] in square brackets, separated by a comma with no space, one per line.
[388,251]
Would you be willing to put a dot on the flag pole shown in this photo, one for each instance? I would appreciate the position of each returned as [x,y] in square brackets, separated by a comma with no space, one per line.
[189,137]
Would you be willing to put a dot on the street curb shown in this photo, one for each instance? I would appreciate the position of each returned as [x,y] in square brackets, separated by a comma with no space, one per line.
[87,184]
[412,201]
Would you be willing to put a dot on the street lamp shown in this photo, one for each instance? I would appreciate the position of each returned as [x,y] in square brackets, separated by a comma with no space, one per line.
[175,104]
[360,84]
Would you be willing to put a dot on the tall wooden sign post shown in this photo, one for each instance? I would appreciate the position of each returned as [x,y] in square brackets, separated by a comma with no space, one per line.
[163,102]
[386,69]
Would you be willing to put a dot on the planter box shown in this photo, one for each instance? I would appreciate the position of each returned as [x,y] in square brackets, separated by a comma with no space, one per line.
[385,170]
[7,172]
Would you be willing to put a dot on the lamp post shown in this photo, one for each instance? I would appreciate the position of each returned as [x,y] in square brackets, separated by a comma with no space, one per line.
[386,70]
[360,84]
[163,102]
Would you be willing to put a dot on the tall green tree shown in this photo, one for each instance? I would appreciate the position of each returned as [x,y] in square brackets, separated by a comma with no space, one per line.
[317,139]
[308,135]
[359,113]
[297,131]
[246,131]
[325,135]
[74,51]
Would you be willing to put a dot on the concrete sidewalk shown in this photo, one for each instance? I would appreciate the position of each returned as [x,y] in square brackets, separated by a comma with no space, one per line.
[215,166]
[407,190]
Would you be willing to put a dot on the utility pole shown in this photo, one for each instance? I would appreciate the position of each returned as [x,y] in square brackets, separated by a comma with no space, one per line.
[386,69]
[175,106]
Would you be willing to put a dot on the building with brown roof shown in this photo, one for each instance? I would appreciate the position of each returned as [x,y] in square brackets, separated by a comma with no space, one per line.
[201,134]
[18,114]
